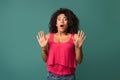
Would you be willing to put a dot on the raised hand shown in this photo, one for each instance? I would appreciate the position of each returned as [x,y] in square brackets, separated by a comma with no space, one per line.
[79,39]
[41,39]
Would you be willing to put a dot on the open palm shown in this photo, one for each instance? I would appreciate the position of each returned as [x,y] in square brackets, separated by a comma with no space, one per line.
[41,39]
[79,39]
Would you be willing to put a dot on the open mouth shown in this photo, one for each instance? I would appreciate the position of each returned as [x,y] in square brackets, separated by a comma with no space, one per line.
[61,25]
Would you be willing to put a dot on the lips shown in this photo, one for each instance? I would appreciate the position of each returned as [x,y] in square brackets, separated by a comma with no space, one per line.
[61,25]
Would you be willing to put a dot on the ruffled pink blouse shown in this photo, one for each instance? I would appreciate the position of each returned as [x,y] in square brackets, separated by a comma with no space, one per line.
[61,57]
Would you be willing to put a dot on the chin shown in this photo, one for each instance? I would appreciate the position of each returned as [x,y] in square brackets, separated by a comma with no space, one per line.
[63,31]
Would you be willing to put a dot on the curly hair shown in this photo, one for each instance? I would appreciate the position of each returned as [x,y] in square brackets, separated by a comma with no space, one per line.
[73,22]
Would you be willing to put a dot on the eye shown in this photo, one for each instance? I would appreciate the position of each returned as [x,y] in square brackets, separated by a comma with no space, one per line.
[65,19]
[58,19]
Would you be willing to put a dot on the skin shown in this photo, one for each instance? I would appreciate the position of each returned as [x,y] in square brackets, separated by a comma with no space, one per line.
[62,36]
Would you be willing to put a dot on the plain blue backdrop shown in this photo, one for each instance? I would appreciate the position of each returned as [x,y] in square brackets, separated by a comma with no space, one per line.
[20,53]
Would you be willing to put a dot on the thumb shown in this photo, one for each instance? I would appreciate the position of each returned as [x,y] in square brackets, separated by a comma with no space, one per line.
[73,39]
[46,40]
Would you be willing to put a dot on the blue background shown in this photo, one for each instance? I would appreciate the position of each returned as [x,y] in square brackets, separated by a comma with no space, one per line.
[20,53]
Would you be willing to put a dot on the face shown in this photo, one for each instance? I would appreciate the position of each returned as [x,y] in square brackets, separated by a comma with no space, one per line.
[62,23]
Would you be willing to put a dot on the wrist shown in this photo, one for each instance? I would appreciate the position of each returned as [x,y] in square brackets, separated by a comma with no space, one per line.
[76,47]
[44,49]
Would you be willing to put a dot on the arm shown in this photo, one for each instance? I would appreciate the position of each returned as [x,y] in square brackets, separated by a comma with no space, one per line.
[44,54]
[45,50]
[43,42]
[78,54]
[78,41]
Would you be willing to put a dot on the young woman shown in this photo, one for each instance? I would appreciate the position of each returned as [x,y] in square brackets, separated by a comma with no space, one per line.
[62,47]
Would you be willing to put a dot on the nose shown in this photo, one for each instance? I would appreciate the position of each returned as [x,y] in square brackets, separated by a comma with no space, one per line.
[62,20]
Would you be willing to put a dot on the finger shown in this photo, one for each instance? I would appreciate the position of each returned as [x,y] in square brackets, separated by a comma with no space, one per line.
[84,38]
[46,40]
[42,34]
[37,37]
[82,34]
[78,34]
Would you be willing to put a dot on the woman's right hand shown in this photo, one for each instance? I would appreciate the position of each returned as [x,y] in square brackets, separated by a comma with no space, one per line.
[42,40]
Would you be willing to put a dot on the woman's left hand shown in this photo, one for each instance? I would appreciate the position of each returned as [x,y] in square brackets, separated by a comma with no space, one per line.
[79,39]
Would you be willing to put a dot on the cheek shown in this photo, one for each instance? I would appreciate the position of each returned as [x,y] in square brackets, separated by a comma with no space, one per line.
[66,22]
[57,23]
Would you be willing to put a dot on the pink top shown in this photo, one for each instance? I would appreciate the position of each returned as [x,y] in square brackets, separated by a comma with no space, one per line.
[61,57]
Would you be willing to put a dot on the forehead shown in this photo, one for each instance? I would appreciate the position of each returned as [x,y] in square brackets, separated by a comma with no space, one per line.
[61,15]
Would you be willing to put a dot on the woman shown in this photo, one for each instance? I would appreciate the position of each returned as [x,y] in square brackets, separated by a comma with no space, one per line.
[62,47]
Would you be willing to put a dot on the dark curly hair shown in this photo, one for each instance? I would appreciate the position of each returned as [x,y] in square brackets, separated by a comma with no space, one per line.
[73,22]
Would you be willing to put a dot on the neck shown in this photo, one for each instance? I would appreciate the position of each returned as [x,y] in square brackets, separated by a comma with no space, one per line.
[61,33]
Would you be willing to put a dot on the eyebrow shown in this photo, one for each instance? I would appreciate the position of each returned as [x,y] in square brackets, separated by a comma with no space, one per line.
[63,17]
